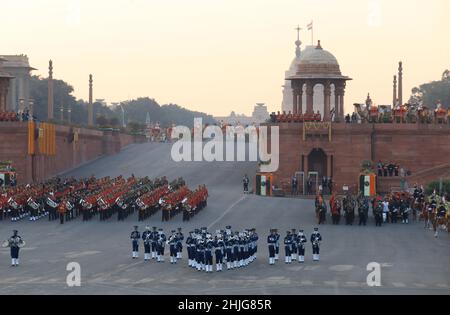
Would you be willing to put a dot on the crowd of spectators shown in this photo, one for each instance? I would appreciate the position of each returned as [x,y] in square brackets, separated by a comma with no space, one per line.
[19,116]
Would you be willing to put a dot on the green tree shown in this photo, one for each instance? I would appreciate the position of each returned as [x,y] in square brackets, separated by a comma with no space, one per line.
[433,92]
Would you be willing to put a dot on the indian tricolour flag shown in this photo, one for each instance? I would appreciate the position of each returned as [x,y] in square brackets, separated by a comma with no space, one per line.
[368,184]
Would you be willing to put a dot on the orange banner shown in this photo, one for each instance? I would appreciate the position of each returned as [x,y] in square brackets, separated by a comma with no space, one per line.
[31,131]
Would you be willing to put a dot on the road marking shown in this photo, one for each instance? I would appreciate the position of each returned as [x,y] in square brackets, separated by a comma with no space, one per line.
[225,212]
[311,268]
[145,280]
[122,280]
[341,268]
[81,254]
[442,285]
[306,282]
[398,284]
[419,285]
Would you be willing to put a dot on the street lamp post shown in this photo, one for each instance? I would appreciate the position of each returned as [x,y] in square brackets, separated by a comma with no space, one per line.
[69,111]
[123,116]
[31,109]
[62,113]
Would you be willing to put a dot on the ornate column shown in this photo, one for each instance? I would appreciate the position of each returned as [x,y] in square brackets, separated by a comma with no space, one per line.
[90,106]
[336,102]
[21,80]
[400,83]
[340,93]
[50,91]
[3,93]
[295,97]
[326,100]
[394,97]
[309,97]
[300,98]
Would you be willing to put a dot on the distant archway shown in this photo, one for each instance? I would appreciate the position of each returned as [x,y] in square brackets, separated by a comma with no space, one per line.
[317,162]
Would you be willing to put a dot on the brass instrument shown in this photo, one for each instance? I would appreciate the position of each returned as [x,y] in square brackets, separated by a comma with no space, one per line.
[51,203]
[14,242]
[13,203]
[32,203]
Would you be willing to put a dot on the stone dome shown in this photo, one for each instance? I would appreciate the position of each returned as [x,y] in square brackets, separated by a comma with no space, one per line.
[318,61]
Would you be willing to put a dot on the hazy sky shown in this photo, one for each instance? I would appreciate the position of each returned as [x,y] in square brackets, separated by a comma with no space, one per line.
[222,55]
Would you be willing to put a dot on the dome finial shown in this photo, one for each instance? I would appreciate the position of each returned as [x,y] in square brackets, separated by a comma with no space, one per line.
[298,42]
[318,45]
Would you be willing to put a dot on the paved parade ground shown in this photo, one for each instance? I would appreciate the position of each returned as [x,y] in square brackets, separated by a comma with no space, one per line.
[412,260]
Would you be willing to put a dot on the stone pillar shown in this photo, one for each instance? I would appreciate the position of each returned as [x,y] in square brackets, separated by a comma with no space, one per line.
[329,172]
[26,83]
[295,100]
[400,83]
[326,101]
[300,99]
[50,91]
[336,102]
[341,106]
[3,93]
[394,95]
[340,93]
[21,81]
[12,96]
[309,97]
[91,105]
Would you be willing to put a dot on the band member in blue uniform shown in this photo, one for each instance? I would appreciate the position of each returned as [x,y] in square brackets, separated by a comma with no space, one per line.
[135,236]
[277,244]
[190,246]
[15,242]
[160,245]
[209,246]
[154,242]
[172,242]
[146,238]
[200,249]
[316,238]
[301,240]
[180,239]
[271,243]
[288,247]
[294,244]
[219,247]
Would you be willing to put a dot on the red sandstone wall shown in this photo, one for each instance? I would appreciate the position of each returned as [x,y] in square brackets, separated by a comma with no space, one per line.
[414,147]
[91,144]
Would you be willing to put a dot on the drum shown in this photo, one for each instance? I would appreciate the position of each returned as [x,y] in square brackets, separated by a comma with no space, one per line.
[5,244]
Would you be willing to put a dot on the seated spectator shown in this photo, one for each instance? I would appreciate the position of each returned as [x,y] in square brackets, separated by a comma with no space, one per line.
[347,118]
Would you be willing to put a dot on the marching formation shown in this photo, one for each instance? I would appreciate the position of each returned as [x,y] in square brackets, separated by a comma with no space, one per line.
[66,199]
[236,249]
[294,245]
